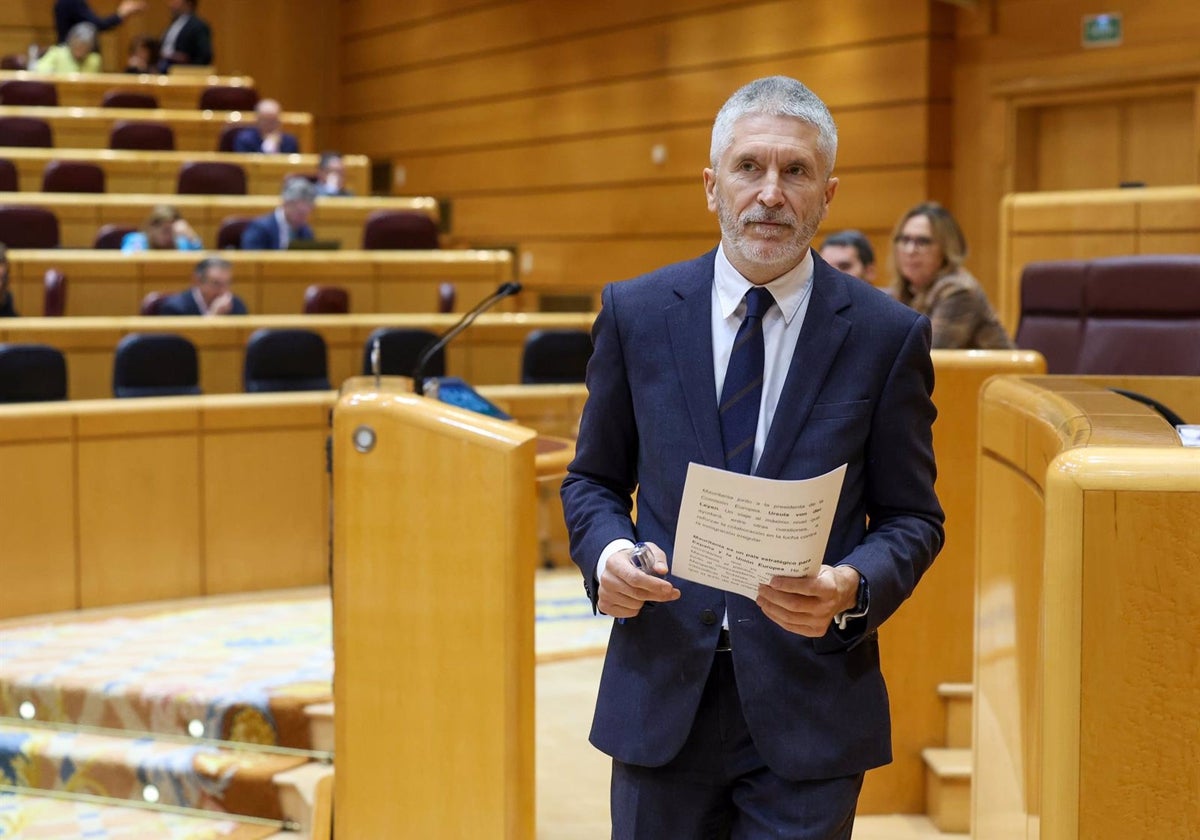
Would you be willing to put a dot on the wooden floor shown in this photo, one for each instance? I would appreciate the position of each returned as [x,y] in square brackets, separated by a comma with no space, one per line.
[572,776]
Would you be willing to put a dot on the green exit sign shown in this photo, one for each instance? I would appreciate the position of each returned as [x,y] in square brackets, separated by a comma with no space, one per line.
[1102,30]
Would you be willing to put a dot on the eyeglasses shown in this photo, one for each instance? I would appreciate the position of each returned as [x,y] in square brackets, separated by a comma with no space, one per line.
[917,243]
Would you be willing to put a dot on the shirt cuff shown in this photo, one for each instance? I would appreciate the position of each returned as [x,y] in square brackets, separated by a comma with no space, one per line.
[609,550]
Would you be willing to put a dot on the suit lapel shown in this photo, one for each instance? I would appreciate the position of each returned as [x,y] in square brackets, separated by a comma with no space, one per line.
[820,338]
[689,325]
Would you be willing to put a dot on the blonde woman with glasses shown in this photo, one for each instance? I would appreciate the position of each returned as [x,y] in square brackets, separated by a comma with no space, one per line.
[928,251]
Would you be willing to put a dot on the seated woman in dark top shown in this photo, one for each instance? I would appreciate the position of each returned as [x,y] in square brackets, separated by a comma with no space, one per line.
[928,250]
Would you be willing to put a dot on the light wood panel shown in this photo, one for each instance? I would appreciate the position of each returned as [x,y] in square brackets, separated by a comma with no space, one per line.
[1086,224]
[1065,658]
[929,639]
[456,490]
[199,131]
[86,90]
[158,172]
[489,353]
[80,215]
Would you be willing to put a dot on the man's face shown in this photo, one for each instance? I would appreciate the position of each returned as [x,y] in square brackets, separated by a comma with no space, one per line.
[845,258]
[333,172]
[176,7]
[770,193]
[216,281]
[268,118]
[297,213]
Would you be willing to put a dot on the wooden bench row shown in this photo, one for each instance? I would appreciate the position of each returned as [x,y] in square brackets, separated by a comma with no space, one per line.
[89,128]
[81,215]
[158,172]
[488,353]
[86,90]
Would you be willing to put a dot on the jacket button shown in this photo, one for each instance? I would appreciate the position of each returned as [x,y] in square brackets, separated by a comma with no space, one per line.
[708,617]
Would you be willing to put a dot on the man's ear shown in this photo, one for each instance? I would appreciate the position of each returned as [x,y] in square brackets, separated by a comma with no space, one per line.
[710,186]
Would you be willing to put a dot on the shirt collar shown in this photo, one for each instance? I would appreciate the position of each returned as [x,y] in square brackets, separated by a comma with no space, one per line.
[788,289]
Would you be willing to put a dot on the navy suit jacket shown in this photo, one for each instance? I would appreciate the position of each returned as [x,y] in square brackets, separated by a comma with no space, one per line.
[194,41]
[67,13]
[262,234]
[857,392]
[249,140]
[184,303]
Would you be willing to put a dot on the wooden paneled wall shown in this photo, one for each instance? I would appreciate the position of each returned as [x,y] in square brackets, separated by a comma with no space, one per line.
[542,121]
[1020,62]
[25,22]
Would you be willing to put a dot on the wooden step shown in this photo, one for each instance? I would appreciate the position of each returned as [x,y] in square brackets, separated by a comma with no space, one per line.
[320,726]
[958,699]
[948,788]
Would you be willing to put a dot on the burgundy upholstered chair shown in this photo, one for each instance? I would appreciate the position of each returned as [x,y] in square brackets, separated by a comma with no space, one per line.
[326,300]
[142,136]
[28,227]
[72,176]
[28,92]
[229,233]
[152,303]
[55,300]
[128,99]
[211,178]
[227,98]
[110,237]
[8,176]
[446,295]
[29,132]
[399,229]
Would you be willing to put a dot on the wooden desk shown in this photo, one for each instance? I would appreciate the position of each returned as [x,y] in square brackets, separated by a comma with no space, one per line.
[80,215]
[158,172]
[89,128]
[489,353]
[1085,224]
[122,501]
[86,90]
[1087,612]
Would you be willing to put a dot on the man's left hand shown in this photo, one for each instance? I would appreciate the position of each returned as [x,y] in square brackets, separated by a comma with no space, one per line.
[807,605]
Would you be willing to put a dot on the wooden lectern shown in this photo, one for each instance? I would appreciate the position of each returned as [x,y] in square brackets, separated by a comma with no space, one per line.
[434,512]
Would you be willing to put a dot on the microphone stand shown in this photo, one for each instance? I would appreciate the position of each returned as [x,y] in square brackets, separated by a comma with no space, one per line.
[418,377]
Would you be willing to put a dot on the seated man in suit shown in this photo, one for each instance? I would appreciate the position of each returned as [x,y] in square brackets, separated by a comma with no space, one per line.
[212,293]
[6,299]
[331,175]
[267,134]
[287,222]
[850,251]
[188,40]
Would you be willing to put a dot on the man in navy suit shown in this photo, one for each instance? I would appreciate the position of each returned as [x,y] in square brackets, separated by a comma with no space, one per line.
[287,222]
[188,39]
[211,294]
[267,134]
[726,716]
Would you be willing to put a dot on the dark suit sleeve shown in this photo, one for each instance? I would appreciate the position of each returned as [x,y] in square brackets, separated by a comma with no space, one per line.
[257,237]
[597,493]
[239,307]
[905,529]
[288,145]
[247,140]
[203,45]
[67,13]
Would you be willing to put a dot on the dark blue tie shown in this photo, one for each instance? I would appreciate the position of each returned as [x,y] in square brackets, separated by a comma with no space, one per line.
[741,395]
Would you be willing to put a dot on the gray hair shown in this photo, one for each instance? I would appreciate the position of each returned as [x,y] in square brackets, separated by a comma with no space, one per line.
[298,188]
[776,96]
[202,267]
[82,32]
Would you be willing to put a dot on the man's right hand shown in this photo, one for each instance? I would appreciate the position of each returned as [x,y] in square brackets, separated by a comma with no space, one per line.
[624,588]
[130,7]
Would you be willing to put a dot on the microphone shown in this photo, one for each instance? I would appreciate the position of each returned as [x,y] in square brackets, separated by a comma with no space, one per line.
[418,375]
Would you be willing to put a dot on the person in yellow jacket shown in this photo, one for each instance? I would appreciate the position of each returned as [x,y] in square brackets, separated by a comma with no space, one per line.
[77,55]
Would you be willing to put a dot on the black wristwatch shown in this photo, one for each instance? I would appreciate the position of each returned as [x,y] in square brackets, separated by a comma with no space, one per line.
[860,605]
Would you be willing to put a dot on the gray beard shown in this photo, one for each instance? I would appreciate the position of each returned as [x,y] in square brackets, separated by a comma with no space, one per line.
[781,255]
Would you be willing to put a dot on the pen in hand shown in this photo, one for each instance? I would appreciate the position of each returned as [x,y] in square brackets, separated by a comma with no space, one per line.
[642,559]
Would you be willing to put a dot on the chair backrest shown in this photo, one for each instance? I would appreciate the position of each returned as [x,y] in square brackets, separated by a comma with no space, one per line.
[110,237]
[54,283]
[1143,316]
[142,136]
[155,365]
[399,229]
[446,295]
[211,178]
[72,176]
[229,234]
[28,92]
[152,303]
[227,98]
[128,99]
[28,227]
[326,300]
[13,61]
[32,373]
[29,132]
[227,136]
[399,349]
[1052,312]
[285,360]
[8,176]
[555,356]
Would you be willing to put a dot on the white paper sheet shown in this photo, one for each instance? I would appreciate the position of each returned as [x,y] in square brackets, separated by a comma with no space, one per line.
[737,531]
